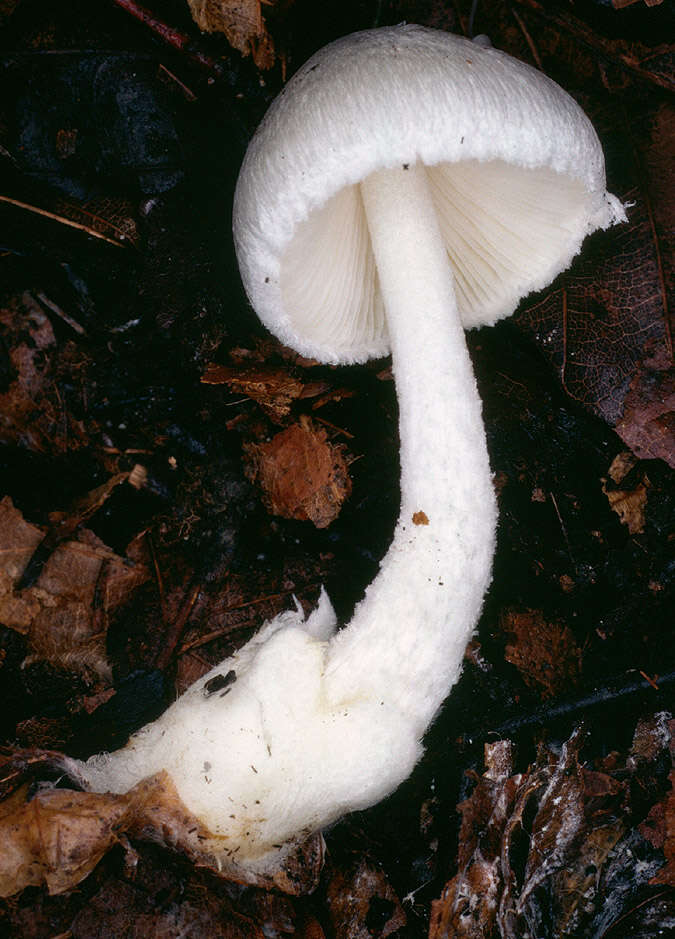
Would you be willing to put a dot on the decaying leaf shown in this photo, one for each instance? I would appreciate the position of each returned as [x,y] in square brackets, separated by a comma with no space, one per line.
[302,475]
[242,23]
[648,422]
[468,905]
[545,654]
[627,501]
[492,893]
[362,903]
[65,613]
[57,837]
[541,852]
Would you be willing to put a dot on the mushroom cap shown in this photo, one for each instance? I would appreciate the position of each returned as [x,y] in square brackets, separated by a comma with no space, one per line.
[515,168]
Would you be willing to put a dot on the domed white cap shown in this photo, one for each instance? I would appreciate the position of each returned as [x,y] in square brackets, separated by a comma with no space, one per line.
[514,165]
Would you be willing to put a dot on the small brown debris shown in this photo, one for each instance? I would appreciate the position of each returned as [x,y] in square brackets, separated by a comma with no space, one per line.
[302,475]
[274,389]
[420,518]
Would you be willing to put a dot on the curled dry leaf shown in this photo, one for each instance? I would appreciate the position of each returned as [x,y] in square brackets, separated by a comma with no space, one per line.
[59,836]
[242,23]
[545,654]
[66,612]
[628,501]
[302,475]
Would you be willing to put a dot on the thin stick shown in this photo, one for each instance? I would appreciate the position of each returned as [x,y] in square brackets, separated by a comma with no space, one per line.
[59,218]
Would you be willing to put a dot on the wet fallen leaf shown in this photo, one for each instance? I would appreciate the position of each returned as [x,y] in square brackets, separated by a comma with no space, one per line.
[492,893]
[242,23]
[664,815]
[667,873]
[545,654]
[121,908]
[549,851]
[578,880]
[302,475]
[468,905]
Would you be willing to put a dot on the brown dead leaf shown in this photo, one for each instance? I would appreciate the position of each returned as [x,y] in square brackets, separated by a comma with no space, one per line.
[242,23]
[545,654]
[57,838]
[274,389]
[302,475]
[65,613]
[362,903]
[628,503]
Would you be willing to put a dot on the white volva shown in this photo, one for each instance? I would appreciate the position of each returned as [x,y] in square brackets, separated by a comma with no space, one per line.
[406,184]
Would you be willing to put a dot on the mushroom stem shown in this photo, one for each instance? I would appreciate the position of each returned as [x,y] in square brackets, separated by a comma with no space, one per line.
[406,641]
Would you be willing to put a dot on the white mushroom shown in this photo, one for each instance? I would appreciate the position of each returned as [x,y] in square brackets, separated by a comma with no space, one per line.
[405,185]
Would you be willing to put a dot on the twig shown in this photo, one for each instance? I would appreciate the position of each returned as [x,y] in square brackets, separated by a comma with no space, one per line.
[60,218]
[159,580]
[176,630]
[68,320]
[570,707]
[562,525]
[528,39]
[171,37]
